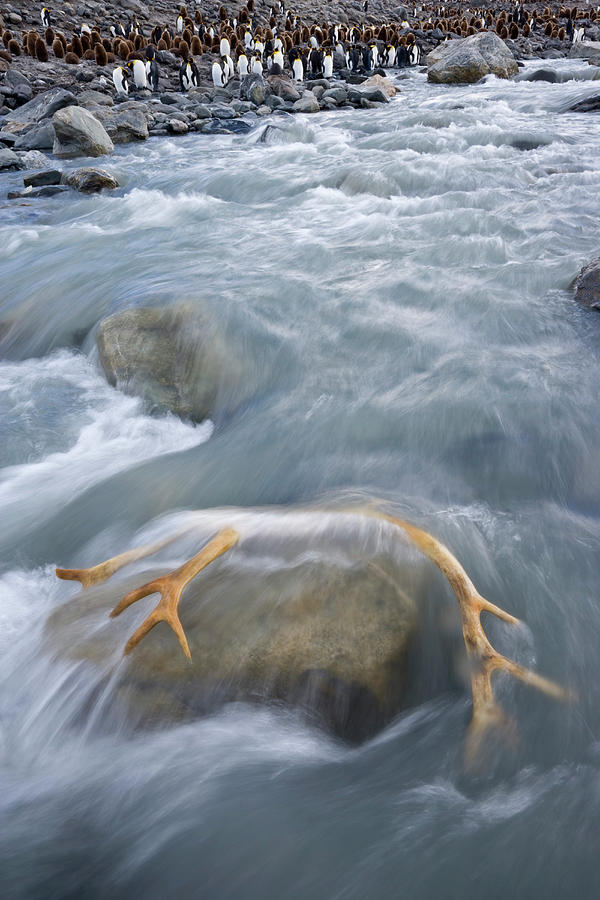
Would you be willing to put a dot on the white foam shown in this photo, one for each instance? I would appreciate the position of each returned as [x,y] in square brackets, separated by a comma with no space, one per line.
[114,434]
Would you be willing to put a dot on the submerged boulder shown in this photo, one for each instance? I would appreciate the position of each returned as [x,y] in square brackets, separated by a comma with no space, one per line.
[293,616]
[172,358]
[468,60]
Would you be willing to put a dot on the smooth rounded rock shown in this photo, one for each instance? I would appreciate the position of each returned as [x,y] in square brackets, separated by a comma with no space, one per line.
[79,133]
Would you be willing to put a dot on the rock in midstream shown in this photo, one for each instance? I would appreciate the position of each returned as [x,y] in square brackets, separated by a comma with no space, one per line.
[316,631]
[173,358]
[467,60]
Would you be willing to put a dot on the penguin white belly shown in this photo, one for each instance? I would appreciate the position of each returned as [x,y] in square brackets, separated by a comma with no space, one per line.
[298,70]
[217,75]
[119,80]
[328,66]
[242,65]
[139,74]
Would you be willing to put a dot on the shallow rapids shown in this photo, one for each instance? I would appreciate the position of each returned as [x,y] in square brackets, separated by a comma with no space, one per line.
[394,287]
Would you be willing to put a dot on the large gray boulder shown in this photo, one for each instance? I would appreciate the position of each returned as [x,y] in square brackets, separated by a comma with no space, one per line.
[40,137]
[123,124]
[43,106]
[587,285]
[9,160]
[327,624]
[585,50]
[79,133]
[172,358]
[255,89]
[283,87]
[470,59]
[308,103]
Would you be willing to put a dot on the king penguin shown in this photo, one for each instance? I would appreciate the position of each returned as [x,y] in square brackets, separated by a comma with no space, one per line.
[120,81]
[242,65]
[152,73]
[45,15]
[139,73]
[224,47]
[228,67]
[328,63]
[298,69]
[188,75]
[256,67]
[218,75]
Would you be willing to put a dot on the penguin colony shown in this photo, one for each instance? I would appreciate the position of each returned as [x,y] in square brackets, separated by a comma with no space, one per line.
[282,42]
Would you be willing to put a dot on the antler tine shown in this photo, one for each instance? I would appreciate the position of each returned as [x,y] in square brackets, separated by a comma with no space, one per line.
[103,571]
[170,587]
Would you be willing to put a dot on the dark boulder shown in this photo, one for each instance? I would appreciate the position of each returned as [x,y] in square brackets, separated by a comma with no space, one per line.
[587,285]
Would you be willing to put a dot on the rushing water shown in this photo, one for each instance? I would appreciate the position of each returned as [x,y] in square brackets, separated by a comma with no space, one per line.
[394,287]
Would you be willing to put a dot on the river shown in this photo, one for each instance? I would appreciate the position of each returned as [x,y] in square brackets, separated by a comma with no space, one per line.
[394,284]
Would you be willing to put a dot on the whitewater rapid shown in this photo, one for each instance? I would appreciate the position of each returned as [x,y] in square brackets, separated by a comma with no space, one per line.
[395,285]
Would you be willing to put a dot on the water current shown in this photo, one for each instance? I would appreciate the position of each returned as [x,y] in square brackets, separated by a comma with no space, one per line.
[394,287]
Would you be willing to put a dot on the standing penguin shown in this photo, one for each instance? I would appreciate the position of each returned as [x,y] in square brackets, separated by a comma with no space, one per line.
[224,47]
[328,63]
[414,53]
[139,73]
[298,68]
[256,66]
[189,76]
[152,74]
[179,24]
[367,58]
[316,62]
[278,58]
[218,74]
[242,65]
[45,16]
[228,68]
[120,81]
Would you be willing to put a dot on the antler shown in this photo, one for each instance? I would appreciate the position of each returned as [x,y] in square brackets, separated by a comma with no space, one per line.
[103,571]
[171,587]
[482,655]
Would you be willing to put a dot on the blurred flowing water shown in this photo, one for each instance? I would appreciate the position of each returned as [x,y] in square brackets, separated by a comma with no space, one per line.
[395,286]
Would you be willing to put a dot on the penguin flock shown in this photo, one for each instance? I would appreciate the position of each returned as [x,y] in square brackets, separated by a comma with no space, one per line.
[276,39]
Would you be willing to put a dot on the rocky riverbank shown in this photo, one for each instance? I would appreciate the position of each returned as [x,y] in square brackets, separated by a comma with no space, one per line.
[65,103]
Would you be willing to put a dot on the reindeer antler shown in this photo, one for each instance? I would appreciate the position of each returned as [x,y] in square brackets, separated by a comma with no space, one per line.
[484,659]
[169,586]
